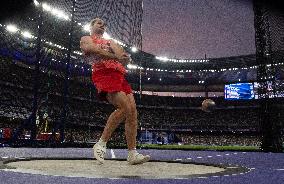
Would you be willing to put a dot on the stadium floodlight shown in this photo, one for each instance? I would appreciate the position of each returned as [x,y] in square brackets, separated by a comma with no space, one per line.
[27,34]
[87,28]
[119,42]
[36,2]
[12,28]
[59,14]
[46,7]
[131,66]
[106,36]
[134,49]
[78,52]
[162,58]
[55,11]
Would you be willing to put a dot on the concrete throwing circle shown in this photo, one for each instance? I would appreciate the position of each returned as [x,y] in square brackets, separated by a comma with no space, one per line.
[116,168]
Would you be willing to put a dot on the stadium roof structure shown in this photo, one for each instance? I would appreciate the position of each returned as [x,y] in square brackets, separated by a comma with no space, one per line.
[150,61]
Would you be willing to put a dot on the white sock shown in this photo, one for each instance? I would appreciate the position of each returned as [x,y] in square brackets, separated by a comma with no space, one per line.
[132,152]
[101,142]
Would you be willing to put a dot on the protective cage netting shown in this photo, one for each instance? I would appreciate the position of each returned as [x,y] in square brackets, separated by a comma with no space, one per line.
[43,75]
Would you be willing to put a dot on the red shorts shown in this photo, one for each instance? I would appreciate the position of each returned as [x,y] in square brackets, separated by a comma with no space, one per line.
[109,80]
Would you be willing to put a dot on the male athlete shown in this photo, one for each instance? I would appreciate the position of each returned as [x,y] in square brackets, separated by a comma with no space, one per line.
[108,60]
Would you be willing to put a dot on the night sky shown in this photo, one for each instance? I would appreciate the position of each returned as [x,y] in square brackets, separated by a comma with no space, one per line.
[189,29]
[193,28]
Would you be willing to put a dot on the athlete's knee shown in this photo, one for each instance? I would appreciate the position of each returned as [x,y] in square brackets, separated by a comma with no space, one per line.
[130,114]
[124,108]
[123,105]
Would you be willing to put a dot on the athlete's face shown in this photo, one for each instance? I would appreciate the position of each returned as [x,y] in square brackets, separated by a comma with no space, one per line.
[98,26]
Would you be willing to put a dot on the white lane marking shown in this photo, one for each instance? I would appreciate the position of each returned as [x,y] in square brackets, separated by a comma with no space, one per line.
[244,152]
[5,157]
[218,155]
[189,158]
[235,153]
[279,169]
[178,159]
[227,154]
[209,156]
[198,157]
[112,153]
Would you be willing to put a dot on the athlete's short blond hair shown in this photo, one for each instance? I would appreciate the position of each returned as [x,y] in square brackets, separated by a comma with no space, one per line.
[92,22]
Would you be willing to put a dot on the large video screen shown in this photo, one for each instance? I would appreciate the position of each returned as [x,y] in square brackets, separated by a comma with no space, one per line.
[239,91]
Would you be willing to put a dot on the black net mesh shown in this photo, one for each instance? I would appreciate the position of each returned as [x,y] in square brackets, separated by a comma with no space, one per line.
[18,49]
[269,53]
[49,77]
[123,17]
[269,48]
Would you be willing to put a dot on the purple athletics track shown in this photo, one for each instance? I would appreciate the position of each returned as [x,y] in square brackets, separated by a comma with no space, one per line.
[265,168]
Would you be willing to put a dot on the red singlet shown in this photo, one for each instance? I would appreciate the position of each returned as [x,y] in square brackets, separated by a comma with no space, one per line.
[108,75]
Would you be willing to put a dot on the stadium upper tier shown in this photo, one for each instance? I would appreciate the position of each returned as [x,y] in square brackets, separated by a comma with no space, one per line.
[154,72]
[18,40]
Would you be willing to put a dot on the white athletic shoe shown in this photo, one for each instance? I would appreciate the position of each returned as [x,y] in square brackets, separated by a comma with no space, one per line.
[137,158]
[99,152]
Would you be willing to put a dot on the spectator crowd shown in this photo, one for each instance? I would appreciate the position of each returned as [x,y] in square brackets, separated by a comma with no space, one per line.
[86,115]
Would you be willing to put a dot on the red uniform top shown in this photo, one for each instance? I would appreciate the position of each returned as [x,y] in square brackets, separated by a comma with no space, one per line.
[99,63]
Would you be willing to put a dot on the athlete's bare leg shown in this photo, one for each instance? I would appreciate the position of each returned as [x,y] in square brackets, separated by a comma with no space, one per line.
[113,121]
[126,110]
[131,125]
